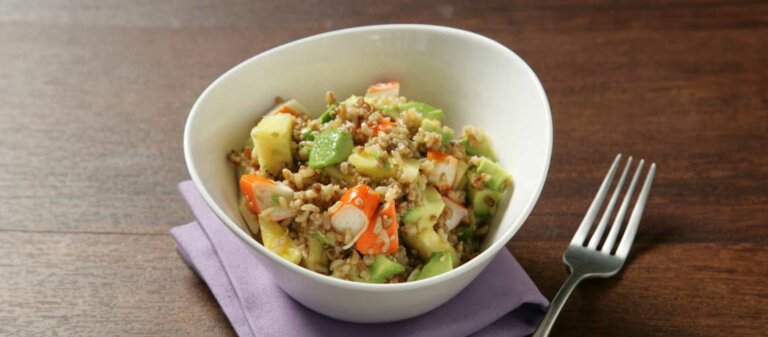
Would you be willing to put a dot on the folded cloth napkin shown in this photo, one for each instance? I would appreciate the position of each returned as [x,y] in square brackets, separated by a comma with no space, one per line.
[501,301]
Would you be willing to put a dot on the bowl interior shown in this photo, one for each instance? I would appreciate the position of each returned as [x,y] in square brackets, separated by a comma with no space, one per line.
[474,79]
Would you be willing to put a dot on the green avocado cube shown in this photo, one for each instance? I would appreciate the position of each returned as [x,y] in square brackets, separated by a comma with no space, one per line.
[484,202]
[428,242]
[383,268]
[427,111]
[431,125]
[500,179]
[481,146]
[391,110]
[329,114]
[438,263]
[461,175]
[316,259]
[365,163]
[331,147]
[425,215]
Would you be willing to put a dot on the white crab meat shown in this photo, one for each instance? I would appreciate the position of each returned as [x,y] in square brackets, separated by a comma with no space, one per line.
[349,218]
[384,89]
[458,213]
[268,195]
[444,172]
[291,106]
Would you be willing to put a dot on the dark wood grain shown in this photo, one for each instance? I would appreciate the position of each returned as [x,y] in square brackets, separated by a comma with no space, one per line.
[95,94]
[65,284]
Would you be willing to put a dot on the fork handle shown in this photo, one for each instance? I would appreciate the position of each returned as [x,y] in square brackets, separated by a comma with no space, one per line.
[557,304]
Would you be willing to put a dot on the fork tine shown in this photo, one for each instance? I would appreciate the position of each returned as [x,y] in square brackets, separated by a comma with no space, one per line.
[598,234]
[611,238]
[589,218]
[637,213]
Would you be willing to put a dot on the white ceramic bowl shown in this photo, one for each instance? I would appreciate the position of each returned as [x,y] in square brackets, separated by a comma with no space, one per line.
[474,79]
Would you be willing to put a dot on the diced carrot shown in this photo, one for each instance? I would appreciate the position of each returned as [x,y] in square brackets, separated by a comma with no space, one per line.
[355,211]
[372,242]
[383,125]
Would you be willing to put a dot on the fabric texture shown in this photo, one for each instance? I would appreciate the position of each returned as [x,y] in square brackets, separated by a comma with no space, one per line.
[501,301]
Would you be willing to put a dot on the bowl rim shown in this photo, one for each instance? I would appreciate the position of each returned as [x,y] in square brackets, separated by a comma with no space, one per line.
[483,257]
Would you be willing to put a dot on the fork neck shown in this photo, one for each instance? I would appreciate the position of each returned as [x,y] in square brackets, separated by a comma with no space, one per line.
[545,327]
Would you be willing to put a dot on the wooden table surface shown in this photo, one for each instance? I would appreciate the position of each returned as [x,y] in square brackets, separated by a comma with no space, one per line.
[95,94]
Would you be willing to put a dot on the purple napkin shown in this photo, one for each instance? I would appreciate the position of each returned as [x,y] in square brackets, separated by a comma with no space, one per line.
[501,301]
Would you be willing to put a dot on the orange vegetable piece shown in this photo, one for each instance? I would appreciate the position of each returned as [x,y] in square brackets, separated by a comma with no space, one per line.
[383,86]
[288,110]
[383,125]
[247,181]
[437,156]
[369,242]
[368,199]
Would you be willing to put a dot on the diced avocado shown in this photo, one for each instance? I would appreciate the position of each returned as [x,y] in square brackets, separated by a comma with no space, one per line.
[273,138]
[500,180]
[484,202]
[461,175]
[277,240]
[383,268]
[477,220]
[438,263]
[366,164]
[430,125]
[410,170]
[331,147]
[307,134]
[324,239]
[427,111]
[478,147]
[251,221]
[425,215]
[465,233]
[316,259]
[428,242]
[329,114]
[390,110]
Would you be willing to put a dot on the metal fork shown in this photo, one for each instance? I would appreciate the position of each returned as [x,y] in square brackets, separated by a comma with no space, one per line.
[583,258]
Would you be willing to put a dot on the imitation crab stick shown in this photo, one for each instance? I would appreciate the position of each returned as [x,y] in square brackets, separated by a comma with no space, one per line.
[354,212]
[458,213]
[383,126]
[384,89]
[444,170]
[291,107]
[381,234]
[262,193]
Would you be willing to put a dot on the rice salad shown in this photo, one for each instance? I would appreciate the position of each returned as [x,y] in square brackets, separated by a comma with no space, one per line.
[376,189]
